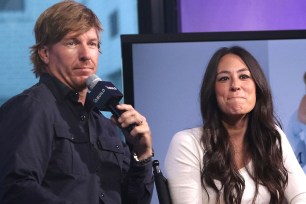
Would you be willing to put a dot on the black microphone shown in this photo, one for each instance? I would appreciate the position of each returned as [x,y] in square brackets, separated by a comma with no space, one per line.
[105,96]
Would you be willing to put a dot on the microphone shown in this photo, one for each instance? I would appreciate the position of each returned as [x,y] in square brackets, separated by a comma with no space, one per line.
[105,96]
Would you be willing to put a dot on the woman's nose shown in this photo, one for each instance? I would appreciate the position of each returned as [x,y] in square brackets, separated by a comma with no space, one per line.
[235,85]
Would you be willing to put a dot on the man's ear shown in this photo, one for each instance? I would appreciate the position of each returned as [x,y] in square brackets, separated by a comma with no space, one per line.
[44,54]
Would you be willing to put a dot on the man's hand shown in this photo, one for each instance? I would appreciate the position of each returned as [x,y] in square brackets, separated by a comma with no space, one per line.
[140,136]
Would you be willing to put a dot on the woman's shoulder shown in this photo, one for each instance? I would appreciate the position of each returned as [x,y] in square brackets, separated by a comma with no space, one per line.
[185,146]
[192,133]
[188,137]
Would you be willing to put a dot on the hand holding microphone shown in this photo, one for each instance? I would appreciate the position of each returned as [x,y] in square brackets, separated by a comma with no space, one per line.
[106,97]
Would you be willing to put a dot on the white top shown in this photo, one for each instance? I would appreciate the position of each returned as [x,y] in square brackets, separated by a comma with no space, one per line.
[183,164]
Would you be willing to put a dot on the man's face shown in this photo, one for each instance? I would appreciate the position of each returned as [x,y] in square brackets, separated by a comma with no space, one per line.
[73,59]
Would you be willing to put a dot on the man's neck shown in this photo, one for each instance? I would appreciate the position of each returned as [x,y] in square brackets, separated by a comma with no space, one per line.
[82,96]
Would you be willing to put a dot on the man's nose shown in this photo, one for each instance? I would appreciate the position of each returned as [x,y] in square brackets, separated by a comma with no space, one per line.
[84,52]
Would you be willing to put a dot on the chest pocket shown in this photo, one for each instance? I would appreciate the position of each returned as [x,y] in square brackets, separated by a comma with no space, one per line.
[112,155]
[110,144]
[111,149]
[72,152]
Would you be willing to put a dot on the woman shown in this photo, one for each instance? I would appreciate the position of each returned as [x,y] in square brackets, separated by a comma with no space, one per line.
[240,155]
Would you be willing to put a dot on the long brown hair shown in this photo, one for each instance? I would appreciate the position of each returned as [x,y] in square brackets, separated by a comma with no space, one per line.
[262,138]
[57,21]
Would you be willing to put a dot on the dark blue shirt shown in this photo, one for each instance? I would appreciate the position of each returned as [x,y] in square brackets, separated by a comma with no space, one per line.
[55,150]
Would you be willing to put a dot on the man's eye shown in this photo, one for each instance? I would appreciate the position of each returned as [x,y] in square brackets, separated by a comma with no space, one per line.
[93,44]
[71,43]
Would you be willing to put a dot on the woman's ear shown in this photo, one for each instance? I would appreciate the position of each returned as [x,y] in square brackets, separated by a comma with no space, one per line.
[44,54]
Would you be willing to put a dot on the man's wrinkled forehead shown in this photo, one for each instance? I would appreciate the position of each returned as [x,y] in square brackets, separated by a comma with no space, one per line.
[77,34]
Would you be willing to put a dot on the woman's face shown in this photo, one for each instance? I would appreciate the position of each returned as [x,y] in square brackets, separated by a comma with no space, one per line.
[234,86]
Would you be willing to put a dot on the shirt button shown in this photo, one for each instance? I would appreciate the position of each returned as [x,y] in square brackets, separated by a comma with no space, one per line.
[99,144]
[102,195]
[117,147]
[83,117]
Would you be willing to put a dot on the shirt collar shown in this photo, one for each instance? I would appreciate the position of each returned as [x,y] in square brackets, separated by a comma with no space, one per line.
[62,92]
[59,90]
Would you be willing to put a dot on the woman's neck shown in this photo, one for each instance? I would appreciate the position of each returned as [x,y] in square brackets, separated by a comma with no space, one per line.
[236,128]
[235,125]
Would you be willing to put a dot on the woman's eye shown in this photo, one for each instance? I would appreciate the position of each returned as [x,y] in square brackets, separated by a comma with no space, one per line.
[244,76]
[224,78]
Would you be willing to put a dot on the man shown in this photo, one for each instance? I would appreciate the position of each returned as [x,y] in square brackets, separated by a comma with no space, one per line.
[296,130]
[56,147]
